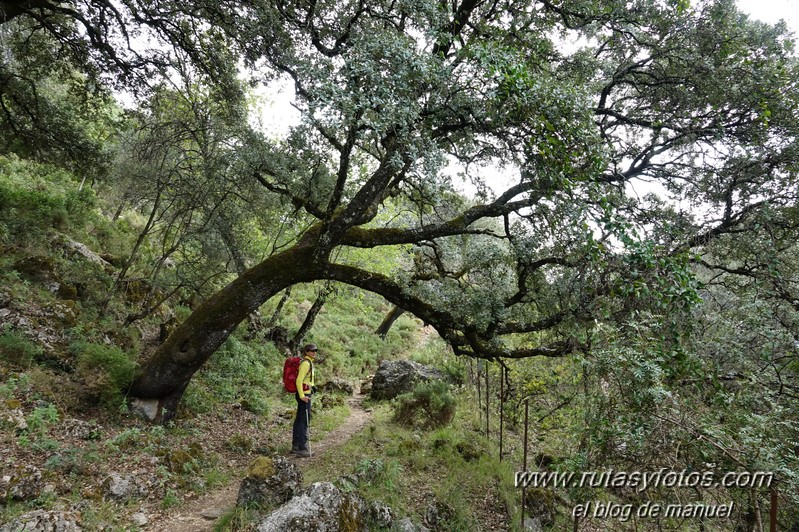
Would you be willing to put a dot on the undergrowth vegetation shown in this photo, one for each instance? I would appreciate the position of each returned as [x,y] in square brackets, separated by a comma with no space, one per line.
[669,363]
[67,357]
[428,405]
[452,472]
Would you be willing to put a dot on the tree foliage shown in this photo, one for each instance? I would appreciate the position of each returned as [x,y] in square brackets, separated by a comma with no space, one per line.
[577,105]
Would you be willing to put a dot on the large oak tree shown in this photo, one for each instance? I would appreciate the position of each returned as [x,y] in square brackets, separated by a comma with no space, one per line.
[576,105]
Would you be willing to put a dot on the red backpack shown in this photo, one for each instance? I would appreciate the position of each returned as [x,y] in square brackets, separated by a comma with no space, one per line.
[291,368]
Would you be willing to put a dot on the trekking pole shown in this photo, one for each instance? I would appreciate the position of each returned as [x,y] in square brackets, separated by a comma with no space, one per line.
[308,430]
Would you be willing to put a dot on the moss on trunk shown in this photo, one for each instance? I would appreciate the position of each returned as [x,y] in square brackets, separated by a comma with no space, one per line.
[167,372]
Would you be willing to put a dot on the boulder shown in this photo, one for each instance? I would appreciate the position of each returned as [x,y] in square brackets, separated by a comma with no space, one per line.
[83,251]
[337,385]
[322,507]
[395,377]
[139,519]
[380,514]
[121,487]
[366,385]
[16,417]
[81,430]
[437,515]
[145,408]
[532,524]
[23,484]
[406,525]
[43,521]
[270,481]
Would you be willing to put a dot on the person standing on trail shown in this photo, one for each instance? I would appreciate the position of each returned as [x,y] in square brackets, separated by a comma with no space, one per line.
[305,388]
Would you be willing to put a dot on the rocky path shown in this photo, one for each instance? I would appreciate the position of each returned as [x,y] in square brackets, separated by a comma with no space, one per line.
[201,514]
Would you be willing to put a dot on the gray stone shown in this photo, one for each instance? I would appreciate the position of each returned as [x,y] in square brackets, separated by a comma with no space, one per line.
[533,524]
[84,251]
[380,514]
[81,430]
[146,408]
[320,508]
[121,487]
[337,385]
[139,519]
[43,521]
[395,377]
[23,484]
[437,515]
[16,417]
[406,525]
[212,514]
[270,481]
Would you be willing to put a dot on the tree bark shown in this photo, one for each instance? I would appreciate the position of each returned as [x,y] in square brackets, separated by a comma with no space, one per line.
[279,308]
[388,321]
[310,317]
[167,372]
[11,10]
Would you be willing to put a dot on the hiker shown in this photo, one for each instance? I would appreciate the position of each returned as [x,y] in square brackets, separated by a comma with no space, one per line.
[305,388]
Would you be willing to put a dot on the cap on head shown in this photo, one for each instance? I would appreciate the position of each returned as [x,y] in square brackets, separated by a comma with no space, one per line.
[310,347]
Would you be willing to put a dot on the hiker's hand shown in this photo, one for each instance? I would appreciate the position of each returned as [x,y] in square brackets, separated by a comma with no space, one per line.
[305,398]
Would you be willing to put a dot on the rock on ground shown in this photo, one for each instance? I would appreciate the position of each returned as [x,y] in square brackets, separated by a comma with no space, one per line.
[43,521]
[23,484]
[122,487]
[337,385]
[270,481]
[322,507]
[395,377]
[406,525]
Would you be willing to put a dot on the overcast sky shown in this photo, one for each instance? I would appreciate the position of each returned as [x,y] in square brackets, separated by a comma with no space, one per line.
[278,116]
[773,10]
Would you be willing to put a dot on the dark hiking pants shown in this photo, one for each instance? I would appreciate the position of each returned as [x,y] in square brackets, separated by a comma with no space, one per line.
[299,435]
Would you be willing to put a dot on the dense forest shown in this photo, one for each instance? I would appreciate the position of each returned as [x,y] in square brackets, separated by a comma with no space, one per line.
[590,205]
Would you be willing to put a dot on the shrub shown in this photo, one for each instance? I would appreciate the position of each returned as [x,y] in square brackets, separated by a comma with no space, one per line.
[35,197]
[106,370]
[17,349]
[197,399]
[253,400]
[429,405]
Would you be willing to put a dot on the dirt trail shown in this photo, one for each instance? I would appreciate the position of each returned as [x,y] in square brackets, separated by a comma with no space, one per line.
[201,514]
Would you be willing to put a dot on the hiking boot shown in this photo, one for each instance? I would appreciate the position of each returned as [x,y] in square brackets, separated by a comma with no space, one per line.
[303,453]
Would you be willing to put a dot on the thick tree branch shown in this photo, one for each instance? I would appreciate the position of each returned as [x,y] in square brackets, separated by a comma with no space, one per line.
[367,238]
[299,201]
[9,10]
[461,336]
[455,27]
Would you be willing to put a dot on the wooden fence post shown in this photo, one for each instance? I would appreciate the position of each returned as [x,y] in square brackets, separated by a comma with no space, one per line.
[524,460]
[479,382]
[773,524]
[487,401]
[501,405]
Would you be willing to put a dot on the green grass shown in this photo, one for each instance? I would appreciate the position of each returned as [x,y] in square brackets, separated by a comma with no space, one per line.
[407,468]
[410,469]
[329,419]
[236,519]
[17,349]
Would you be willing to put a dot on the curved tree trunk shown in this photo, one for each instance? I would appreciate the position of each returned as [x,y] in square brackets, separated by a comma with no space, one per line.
[388,321]
[278,309]
[310,318]
[165,375]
